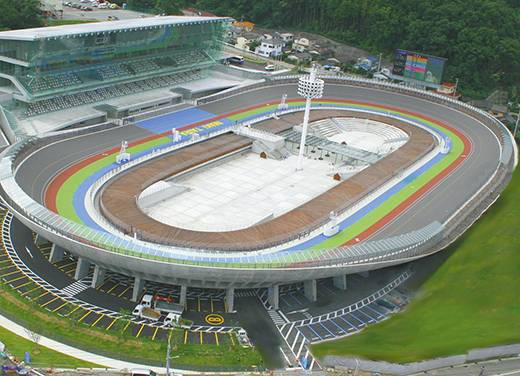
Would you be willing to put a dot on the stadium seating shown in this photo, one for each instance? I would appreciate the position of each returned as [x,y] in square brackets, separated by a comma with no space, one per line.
[117,90]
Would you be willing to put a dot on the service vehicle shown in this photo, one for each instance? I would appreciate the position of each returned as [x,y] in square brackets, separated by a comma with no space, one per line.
[146,313]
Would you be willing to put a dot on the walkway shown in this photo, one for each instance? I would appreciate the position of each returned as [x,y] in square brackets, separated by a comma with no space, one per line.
[76,353]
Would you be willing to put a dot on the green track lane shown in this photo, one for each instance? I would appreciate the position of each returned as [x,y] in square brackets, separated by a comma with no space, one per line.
[64,200]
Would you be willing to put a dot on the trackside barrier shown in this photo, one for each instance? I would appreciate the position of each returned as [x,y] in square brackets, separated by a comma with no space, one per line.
[411,368]
[425,240]
[317,226]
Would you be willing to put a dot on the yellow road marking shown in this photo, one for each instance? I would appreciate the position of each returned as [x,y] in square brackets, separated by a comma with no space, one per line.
[88,313]
[61,306]
[216,338]
[112,323]
[185,336]
[200,338]
[117,284]
[45,293]
[139,332]
[95,322]
[155,333]
[232,340]
[16,279]
[74,310]
[128,288]
[103,284]
[50,301]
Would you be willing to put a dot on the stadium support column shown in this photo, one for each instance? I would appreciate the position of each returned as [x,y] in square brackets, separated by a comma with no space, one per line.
[273,296]
[40,239]
[309,88]
[310,289]
[56,253]
[340,281]
[99,277]
[230,300]
[184,293]
[138,288]
[82,269]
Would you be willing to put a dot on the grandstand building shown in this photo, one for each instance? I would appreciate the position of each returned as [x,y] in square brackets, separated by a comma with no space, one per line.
[55,68]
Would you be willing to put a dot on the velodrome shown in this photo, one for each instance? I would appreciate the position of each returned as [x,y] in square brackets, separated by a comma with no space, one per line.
[407,205]
[476,167]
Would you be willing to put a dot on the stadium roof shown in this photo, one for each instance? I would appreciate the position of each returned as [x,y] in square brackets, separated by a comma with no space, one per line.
[100,27]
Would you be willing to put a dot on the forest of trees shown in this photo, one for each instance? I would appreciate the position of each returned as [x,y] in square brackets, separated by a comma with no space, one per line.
[19,14]
[480,38]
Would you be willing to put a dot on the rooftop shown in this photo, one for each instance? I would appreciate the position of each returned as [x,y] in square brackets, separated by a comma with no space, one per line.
[100,27]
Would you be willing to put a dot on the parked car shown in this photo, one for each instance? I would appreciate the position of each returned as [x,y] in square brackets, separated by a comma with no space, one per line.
[103,6]
[112,18]
[270,67]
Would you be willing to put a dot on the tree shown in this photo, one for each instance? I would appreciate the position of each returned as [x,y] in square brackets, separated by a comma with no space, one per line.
[35,337]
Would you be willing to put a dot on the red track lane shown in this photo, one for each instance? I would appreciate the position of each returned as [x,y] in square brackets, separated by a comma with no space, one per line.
[54,186]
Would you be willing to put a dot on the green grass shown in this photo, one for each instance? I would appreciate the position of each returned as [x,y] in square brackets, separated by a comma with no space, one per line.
[68,22]
[46,357]
[471,301]
[101,339]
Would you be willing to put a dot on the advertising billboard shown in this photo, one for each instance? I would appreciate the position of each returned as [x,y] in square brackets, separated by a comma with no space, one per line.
[421,67]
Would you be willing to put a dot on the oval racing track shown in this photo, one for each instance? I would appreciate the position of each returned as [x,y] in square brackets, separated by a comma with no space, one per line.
[432,203]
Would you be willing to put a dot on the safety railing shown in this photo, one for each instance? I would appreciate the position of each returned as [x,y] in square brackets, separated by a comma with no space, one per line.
[247,257]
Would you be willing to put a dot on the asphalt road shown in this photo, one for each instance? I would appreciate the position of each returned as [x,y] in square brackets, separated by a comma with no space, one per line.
[438,204]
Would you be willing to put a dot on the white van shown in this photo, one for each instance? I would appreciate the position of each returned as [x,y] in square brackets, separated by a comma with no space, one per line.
[142,372]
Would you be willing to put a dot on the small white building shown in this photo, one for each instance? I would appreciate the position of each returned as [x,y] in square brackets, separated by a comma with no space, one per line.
[245,39]
[288,38]
[302,44]
[270,48]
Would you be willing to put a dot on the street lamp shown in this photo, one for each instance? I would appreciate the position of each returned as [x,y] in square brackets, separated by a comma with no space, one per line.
[309,88]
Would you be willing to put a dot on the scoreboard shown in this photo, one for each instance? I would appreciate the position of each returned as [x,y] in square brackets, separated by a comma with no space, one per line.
[421,67]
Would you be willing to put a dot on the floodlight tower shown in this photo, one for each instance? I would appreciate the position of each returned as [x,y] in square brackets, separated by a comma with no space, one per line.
[310,88]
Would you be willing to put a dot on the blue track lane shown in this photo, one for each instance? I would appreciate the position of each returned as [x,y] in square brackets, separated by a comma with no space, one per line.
[193,115]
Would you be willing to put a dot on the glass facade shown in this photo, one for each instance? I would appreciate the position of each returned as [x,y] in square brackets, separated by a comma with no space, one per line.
[63,64]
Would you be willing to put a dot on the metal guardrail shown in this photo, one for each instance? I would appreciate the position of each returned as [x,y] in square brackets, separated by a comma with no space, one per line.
[52,222]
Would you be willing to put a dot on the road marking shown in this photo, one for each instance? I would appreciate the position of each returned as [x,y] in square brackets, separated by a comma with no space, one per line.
[29,252]
[214,319]
[95,322]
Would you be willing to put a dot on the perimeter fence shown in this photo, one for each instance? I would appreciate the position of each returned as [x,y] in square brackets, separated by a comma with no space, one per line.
[212,257]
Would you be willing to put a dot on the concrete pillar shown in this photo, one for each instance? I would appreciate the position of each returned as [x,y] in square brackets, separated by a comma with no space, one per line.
[138,288]
[81,269]
[40,239]
[273,296]
[99,277]
[57,253]
[364,274]
[184,293]
[340,281]
[230,300]
[310,289]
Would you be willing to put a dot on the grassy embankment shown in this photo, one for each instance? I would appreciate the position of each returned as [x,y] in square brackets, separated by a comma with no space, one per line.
[117,340]
[471,301]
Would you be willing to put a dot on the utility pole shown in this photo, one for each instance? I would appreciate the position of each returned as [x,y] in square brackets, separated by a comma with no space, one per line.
[455,89]
[516,125]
